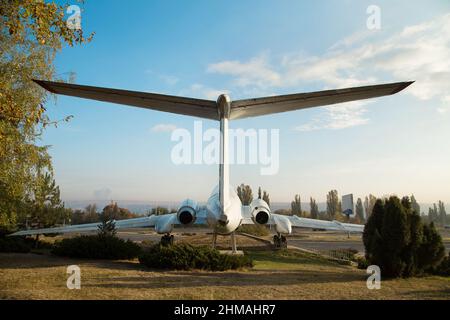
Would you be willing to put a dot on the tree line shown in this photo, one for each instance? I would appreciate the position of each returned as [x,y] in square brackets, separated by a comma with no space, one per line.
[110,212]
[333,210]
[245,193]
[363,209]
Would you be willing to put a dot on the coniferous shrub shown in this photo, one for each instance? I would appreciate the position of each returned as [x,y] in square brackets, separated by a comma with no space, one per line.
[187,257]
[443,268]
[362,262]
[97,247]
[398,242]
[14,244]
[431,251]
[21,244]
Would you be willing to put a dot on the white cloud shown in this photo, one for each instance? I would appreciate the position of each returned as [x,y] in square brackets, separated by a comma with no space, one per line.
[166,78]
[446,99]
[201,91]
[163,127]
[341,116]
[255,72]
[353,39]
[420,52]
[170,80]
[445,105]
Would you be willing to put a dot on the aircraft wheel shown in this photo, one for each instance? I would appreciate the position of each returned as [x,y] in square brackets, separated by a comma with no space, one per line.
[167,240]
[283,241]
[276,241]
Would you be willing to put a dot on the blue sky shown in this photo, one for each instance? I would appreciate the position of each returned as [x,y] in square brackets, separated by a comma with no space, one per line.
[397,144]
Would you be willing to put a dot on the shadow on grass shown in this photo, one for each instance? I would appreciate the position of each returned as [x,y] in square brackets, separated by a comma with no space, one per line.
[429,294]
[32,260]
[144,278]
[227,279]
[260,255]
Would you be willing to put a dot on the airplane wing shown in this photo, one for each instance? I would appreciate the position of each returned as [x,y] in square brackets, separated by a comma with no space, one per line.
[173,104]
[120,224]
[261,106]
[161,223]
[323,224]
[285,223]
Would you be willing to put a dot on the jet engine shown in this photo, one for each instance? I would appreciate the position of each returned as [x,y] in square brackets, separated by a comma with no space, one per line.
[187,212]
[260,211]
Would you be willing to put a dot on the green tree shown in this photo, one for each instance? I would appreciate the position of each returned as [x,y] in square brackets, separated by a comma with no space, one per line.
[395,230]
[113,211]
[45,207]
[91,214]
[372,240]
[369,203]
[333,204]
[245,193]
[31,33]
[415,205]
[314,208]
[415,229]
[107,226]
[359,210]
[296,206]
[398,242]
[442,213]
[433,214]
[159,211]
[265,197]
[88,215]
[432,250]
[443,268]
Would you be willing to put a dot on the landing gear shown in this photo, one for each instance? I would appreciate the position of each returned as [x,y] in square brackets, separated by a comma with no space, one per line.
[167,240]
[36,241]
[279,241]
[214,242]
[233,243]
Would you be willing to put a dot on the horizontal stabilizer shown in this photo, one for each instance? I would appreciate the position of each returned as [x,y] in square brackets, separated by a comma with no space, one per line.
[268,105]
[173,104]
[210,110]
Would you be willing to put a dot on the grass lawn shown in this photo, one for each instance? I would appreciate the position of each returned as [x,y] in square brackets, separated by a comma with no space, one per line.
[276,275]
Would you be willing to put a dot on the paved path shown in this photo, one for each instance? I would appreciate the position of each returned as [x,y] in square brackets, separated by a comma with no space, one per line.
[308,244]
[326,245]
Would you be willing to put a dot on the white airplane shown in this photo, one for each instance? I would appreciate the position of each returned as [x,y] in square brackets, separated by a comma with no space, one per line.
[224,212]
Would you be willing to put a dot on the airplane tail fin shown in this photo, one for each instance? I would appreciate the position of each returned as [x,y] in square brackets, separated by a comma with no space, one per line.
[224,170]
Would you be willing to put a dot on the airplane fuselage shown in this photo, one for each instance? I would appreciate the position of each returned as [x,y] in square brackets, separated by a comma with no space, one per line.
[227,220]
